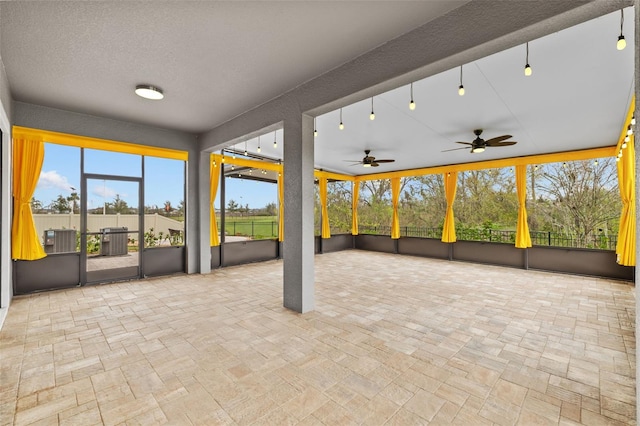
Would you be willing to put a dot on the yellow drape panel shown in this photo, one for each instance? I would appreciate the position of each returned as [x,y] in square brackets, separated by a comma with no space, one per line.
[523,238]
[449,228]
[395,220]
[325,229]
[626,247]
[28,155]
[355,193]
[214,178]
[95,143]
[281,206]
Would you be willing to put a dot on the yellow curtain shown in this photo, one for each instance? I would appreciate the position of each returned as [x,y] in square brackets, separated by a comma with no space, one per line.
[214,179]
[281,205]
[355,191]
[326,230]
[626,247]
[449,228]
[395,195]
[523,238]
[28,155]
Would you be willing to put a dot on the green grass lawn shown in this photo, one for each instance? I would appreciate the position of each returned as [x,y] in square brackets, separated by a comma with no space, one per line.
[256,227]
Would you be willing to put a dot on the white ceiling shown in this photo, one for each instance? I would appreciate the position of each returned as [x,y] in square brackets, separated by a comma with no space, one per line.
[576,98]
[216,60]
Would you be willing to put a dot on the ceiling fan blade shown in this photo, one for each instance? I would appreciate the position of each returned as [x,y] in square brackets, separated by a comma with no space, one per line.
[497,140]
[374,164]
[465,143]
[509,143]
[454,149]
[356,164]
[353,161]
[384,161]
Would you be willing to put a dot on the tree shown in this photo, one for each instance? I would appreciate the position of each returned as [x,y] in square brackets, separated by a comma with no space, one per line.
[36,205]
[73,199]
[579,197]
[119,205]
[232,207]
[271,209]
[60,205]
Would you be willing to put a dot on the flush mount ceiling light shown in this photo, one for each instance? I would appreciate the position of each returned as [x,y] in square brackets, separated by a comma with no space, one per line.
[527,68]
[149,92]
[622,43]
[412,105]
[461,87]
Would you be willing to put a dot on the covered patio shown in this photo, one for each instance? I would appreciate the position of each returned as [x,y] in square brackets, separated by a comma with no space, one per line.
[393,339]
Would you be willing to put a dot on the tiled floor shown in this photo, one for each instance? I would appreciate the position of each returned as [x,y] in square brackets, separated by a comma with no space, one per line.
[393,340]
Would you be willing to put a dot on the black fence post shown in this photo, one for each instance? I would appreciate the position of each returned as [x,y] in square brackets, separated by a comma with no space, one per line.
[549,238]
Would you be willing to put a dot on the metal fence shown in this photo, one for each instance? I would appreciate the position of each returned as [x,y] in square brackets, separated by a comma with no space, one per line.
[255,230]
[538,238]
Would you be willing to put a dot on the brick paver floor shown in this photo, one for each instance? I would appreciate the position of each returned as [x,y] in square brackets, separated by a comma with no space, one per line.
[394,340]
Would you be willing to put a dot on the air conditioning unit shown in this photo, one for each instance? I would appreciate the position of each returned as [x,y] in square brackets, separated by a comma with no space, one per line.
[113,241]
[59,241]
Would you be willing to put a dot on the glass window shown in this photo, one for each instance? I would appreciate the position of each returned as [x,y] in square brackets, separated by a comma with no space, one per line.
[56,200]
[164,194]
[251,211]
[112,163]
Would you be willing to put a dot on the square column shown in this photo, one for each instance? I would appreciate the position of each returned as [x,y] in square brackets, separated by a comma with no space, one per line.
[298,244]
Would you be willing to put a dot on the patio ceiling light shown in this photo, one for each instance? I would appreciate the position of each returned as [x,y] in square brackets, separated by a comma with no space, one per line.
[148,91]
[372,116]
[622,43]
[527,68]
[412,105]
[341,125]
[461,87]
[275,139]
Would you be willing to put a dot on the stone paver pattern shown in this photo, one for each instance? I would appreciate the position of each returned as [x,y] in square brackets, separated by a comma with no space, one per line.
[394,340]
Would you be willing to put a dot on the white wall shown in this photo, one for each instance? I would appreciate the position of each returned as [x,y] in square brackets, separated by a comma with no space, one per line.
[5,190]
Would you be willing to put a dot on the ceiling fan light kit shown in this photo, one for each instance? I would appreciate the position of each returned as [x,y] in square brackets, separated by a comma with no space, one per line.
[479,145]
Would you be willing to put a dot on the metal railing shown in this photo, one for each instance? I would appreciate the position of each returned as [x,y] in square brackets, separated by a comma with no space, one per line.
[538,238]
[254,230]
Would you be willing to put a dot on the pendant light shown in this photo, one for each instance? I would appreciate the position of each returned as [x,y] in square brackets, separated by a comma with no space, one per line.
[461,87]
[341,125]
[234,152]
[372,116]
[245,148]
[633,120]
[626,140]
[629,130]
[275,139]
[622,43]
[412,105]
[259,144]
[315,129]
[527,68]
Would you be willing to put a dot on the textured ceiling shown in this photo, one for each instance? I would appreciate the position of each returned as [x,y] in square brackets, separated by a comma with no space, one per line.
[214,60]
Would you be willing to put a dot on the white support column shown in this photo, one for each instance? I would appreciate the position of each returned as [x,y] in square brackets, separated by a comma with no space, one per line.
[298,213]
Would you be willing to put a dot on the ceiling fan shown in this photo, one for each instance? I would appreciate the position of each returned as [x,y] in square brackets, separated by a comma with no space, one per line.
[369,161]
[479,145]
